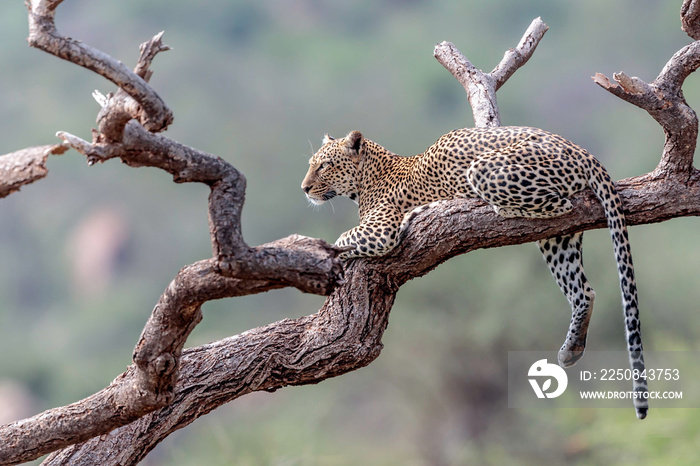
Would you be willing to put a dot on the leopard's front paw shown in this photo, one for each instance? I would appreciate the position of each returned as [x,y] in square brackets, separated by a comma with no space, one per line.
[345,251]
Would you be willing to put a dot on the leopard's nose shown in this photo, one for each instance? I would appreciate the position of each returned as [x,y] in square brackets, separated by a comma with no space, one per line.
[306,188]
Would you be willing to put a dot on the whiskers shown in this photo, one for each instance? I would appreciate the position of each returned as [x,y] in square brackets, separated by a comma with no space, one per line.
[317,206]
[313,205]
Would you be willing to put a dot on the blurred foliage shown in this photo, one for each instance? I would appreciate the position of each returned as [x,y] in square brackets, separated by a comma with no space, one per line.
[259,83]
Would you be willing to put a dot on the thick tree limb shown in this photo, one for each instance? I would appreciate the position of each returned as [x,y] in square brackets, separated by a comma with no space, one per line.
[308,264]
[346,333]
[167,388]
[343,336]
[149,383]
[25,166]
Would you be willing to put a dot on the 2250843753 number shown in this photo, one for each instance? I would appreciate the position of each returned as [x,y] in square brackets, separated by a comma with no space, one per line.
[630,374]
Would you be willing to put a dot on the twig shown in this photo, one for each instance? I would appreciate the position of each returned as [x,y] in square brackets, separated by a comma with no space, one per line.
[517,57]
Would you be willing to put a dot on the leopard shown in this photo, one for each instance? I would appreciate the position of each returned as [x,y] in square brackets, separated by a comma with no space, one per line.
[521,172]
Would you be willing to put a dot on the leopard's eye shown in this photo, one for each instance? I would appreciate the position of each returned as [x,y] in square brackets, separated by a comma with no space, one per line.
[325,165]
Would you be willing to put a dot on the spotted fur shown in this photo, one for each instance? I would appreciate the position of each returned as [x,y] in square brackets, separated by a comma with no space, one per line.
[520,171]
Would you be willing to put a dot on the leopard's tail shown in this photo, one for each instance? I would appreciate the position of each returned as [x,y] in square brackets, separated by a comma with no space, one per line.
[604,188]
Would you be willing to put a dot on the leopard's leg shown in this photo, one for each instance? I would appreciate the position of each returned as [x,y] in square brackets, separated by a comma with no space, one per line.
[410,215]
[563,255]
[519,189]
[376,235]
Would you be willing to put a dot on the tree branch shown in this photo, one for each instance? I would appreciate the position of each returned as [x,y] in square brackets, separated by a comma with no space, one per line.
[690,18]
[154,115]
[149,382]
[481,87]
[25,166]
[346,333]
[308,264]
[663,99]
[343,336]
[517,57]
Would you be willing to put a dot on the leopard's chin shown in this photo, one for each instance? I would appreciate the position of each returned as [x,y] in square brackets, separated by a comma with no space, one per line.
[314,201]
[325,197]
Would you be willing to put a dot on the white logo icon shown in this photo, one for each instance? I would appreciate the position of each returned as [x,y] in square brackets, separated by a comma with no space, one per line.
[542,368]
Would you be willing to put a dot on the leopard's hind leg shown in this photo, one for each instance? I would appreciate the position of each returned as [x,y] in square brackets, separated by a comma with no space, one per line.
[518,189]
[563,255]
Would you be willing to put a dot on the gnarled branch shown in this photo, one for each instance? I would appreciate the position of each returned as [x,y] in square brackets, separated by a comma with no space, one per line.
[154,115]
[308,264]
[690,18]
[663,99]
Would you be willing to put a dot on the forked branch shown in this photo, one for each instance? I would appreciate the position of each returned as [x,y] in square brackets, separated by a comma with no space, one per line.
[154,115]
[481,87]
[663,99]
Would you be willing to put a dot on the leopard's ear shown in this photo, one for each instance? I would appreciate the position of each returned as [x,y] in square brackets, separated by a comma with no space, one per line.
[327,139]
[353,142]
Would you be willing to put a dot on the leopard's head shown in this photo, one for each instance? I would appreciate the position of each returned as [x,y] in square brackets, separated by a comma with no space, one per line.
[334,169]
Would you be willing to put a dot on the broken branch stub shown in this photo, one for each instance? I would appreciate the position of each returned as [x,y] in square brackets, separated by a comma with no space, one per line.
[25,166]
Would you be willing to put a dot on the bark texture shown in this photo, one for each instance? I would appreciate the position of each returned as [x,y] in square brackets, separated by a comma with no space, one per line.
[167,388]
[25,166]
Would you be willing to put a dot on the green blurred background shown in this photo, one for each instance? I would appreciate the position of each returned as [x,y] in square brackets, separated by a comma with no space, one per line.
[86,252]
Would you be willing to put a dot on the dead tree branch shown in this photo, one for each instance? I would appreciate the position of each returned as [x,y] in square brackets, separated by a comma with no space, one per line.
[481,87]
[153,114]
[25,166]
[167,388]
[663,100]
[126,131]
[690,18]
